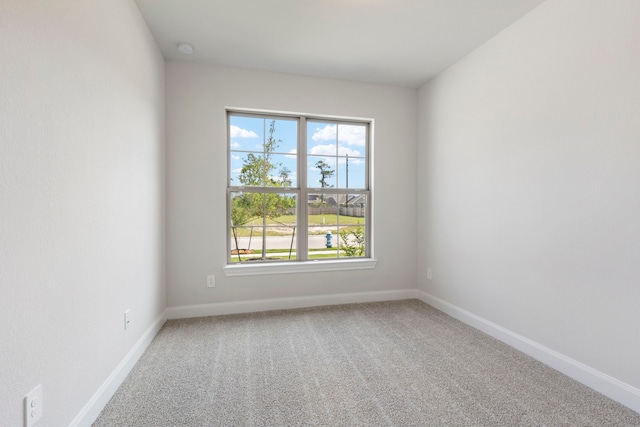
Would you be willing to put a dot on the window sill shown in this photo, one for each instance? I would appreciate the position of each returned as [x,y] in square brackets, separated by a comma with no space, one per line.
[298,267]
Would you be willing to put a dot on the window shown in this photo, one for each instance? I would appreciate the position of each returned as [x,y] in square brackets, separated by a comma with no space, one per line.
[298,189]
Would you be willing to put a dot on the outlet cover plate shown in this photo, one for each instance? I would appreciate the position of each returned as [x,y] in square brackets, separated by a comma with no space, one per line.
[33,406]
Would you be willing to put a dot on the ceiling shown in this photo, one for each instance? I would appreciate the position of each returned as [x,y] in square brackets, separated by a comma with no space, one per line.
[396,42]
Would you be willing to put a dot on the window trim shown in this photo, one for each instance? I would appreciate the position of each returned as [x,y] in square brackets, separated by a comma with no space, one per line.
[298,265]
[293,267]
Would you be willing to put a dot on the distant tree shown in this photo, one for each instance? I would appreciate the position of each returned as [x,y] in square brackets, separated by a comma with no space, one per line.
[285,181]
[325,173]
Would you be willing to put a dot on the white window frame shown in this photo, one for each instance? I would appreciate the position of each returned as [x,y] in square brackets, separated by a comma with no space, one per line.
[301,264]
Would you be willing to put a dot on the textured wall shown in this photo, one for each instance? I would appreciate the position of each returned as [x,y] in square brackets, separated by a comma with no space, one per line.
[197,168]
[81,197]
[529,204]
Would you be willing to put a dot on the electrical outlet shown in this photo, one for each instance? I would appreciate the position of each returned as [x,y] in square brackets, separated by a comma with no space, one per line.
[127,319]
[429,274]
[211,281]
[33,406]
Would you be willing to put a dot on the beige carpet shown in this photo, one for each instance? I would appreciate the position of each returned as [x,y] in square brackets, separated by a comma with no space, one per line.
[379,364]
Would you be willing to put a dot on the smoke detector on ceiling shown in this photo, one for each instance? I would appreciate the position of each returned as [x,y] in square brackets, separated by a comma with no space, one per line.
[185,48]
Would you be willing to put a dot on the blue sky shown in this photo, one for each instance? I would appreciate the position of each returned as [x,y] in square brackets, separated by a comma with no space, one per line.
[327,142]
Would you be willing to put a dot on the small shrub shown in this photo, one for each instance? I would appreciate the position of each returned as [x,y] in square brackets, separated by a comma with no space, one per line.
[352,242]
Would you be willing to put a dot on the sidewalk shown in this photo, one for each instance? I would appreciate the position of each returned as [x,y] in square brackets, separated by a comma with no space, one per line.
[257,253]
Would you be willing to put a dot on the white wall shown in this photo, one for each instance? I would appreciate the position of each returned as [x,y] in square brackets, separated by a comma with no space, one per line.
[81,197]
[529,184]
[197,168]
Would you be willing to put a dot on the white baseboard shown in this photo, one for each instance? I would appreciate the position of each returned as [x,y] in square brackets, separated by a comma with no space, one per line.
[215,309]
[611,387]
[99,400]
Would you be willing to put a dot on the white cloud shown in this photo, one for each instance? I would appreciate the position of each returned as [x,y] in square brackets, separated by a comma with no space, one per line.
[330,150]
[235,144]
[352,135]
[349,134]
[238,132]
[235,157]
[327,133]
[237,170]
[323,150]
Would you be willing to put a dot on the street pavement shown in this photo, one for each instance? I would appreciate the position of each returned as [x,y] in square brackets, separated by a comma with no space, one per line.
[316,241]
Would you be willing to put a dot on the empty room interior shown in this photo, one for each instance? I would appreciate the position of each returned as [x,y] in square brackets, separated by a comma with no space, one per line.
[493,149]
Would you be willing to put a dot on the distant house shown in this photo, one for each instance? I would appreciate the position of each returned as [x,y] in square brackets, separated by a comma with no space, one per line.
[329,200]
[359,200]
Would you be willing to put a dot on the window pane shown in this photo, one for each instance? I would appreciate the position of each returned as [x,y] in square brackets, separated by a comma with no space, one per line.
[281,227]
[246,244]
[323,203]
[235,167]
[281,243]
[255,216]
[351,172]
[319,216]
[246,226]
[250,169]
[352,140]
[323,210]
[263,151]
[321,139]
[241,208]
[355,207]
[285,135]
[284,172]
[321,172]
[352,229]
[246,133]
[322,242]
[352,241]
[322,225]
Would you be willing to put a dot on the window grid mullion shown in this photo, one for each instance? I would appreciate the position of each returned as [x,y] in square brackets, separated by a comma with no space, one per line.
[337,237]
[302,220]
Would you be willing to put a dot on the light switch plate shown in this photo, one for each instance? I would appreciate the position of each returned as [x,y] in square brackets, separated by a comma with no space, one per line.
[127,319]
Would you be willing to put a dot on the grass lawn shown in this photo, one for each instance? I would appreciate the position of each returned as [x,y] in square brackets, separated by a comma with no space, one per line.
[320,220]
[288,221]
